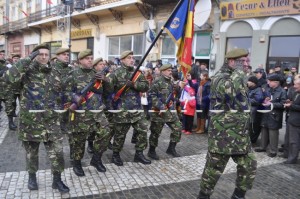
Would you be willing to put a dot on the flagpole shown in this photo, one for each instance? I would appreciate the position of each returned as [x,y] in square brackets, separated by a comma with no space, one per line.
[152,44]
[155,40]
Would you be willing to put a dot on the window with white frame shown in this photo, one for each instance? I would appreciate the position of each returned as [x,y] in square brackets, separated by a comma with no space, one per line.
[202,44]
[117,45]
[168,50]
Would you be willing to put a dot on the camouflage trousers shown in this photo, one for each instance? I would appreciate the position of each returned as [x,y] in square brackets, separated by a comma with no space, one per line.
[156,128]
[121,130]
[54,151]
[215,165]
[101,140]
[11,104]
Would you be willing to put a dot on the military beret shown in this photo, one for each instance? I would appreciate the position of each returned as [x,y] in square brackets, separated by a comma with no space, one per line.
[62,50]
[259,70]
[15,55]
[2,51]
[236,53]
[96,61]
[126,53]
[41,46]
[165,67]
[53,58]
[274,77]
[85,53]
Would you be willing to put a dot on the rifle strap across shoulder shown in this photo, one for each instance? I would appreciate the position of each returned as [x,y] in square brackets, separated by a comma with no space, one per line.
[121,90]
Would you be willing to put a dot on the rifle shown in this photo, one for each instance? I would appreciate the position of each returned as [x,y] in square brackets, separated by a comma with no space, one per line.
[84,91]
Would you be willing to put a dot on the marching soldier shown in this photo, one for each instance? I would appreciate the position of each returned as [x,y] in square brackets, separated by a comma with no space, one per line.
[164,112]
[39,122]
[13,92]
[227,135]
[98,65]
[61,64]
[88,115]
[3,69]
[130,109]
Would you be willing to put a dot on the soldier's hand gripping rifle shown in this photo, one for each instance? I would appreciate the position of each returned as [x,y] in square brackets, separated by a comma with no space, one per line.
[77,99]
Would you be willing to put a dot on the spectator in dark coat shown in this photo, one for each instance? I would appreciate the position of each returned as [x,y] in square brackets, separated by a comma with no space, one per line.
[272,121]
[294,125]
[256,98]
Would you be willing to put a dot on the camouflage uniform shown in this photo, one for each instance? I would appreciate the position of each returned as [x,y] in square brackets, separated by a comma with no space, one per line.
[39,122]
[63,70]
[227,132]
[89,117]
[161,88]
[3,85]
[129,100]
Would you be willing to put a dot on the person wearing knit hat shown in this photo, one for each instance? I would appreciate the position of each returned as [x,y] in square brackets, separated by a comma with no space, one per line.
[256,97]
[229,106]
[253,79]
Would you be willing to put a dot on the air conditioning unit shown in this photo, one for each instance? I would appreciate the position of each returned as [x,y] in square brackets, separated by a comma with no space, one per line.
[149,24]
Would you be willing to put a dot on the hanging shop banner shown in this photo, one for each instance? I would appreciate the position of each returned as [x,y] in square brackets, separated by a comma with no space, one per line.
[253,8]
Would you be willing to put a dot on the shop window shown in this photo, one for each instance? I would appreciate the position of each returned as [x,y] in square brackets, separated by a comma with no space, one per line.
[116,45]
[202,42]
[90,43]
[284,46]
[29,48]
[239,42]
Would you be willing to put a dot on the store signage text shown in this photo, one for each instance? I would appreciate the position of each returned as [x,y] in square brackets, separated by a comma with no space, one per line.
[253,8]
[81,33]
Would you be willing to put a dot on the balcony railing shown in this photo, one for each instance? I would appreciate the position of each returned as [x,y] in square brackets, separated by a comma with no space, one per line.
[18,25]
[4,28]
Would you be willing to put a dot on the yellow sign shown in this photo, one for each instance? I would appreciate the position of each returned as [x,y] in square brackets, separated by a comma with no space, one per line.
[252,8]
[81,33]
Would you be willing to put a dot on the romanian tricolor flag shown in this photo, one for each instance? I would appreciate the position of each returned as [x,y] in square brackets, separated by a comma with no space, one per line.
[180,27]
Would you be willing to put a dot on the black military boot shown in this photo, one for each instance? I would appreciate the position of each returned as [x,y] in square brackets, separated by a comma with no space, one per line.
[97,163]
[171,150]
[58,184]
[238,194]
[77,168]
[203,196]
[11,124]
[139,157]
[32,184]
[134,137]
[90,147]
[116,159]
[152,154]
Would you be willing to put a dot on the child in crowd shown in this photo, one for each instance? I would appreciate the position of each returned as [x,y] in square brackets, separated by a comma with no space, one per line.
[190,108]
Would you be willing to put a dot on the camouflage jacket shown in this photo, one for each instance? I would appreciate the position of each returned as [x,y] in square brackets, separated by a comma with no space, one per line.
[63,70]
[158,94]
[230,113]
[90,111]
[3,85]
[39,122]
[129,103]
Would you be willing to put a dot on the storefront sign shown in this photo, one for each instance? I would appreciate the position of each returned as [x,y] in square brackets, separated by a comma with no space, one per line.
[253,8]
[81,34]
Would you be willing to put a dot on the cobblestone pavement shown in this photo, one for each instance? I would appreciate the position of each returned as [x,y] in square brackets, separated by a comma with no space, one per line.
[164,179]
